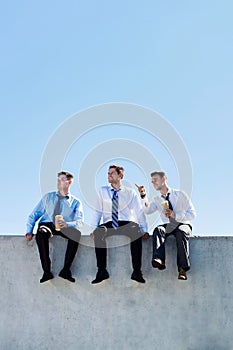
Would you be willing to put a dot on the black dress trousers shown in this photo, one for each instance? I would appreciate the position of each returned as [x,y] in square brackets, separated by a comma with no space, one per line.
[42,239]
[127,228]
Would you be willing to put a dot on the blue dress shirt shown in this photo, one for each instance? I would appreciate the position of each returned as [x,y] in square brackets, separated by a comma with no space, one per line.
[70,208]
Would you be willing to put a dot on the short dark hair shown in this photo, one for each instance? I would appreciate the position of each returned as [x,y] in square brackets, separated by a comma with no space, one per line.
[119,169]
[160,173]
[68,175]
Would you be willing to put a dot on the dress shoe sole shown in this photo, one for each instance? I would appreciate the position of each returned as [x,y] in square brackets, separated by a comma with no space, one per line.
[138,280]
[42,280]
[99,281]
[70,279]
[182,277]
[67,277]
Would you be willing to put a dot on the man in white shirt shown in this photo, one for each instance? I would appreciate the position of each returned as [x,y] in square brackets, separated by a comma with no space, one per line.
[176,211]
[122,214]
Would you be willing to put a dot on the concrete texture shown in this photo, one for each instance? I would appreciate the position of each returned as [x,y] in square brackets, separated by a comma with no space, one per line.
[165,313]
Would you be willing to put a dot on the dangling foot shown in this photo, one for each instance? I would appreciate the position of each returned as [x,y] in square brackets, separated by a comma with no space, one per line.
[66,274]
[182,274]
[158,263]
[137,276]
[46,276]
[102,274]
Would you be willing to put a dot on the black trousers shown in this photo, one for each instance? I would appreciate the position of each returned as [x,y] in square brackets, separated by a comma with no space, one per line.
[127,228]
[182,233]
[42,239]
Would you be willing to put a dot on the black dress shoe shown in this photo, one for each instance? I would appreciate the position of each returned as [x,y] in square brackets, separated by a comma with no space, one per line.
[137,276]
[157,263]
[182,275]
[66,274]
[46,277]
[100,276]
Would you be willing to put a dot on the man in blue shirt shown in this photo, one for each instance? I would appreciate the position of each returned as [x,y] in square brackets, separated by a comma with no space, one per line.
[71,218]
[122,214]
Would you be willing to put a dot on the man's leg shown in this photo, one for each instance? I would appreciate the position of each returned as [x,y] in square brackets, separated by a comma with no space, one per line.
[136,253]
[158,259]
[133,231]
[73,236]
[100,235]
[182,234]
[42,239]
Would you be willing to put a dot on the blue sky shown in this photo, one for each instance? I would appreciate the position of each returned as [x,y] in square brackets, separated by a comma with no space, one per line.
[174,57]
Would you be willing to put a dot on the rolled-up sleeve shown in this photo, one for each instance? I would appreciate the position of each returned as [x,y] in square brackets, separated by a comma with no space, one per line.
[78,219]
[139,212]
[186,212]
[149,207]
[37,212]
[97,212]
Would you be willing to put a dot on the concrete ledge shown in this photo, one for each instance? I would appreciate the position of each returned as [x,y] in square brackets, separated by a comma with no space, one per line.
[119,313]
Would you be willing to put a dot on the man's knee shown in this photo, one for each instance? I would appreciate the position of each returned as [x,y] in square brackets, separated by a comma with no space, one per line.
[132,230]
[71,233]
[132,227]
[43,232]
[100,233]
[187,229]
[158,231]
[183,231]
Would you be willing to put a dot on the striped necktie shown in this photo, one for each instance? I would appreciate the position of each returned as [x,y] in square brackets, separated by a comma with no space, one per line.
[115,209]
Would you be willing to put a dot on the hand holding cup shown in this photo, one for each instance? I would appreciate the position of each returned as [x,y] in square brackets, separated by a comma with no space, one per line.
[59,223]
[166,209]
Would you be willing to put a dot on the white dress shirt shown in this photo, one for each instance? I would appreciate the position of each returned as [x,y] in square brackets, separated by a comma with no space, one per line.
[182,206]
[129,207]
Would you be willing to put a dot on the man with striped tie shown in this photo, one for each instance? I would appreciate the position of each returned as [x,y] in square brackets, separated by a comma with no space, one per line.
[122,214]
[176,211]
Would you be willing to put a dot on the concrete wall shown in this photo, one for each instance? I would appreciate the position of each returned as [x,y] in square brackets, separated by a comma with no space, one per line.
[165,313]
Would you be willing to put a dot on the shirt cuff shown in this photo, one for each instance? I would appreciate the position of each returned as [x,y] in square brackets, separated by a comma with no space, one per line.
[77,224]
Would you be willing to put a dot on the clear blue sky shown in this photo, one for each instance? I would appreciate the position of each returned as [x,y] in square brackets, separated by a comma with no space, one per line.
[174,57]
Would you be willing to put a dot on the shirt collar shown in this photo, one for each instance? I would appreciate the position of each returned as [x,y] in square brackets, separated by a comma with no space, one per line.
[115,189]
[165,195]
[67,196]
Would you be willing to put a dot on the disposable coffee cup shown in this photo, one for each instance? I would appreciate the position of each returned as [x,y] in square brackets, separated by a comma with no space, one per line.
[165,205]
[57,217]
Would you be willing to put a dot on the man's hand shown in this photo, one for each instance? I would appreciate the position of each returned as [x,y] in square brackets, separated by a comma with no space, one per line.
[141,190]
[92,235]
[28,236]
[169,213]
[62,223]
[145,236]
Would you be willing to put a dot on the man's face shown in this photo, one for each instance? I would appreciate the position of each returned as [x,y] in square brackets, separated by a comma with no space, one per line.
[113,176]
[62,183]
[158,182]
